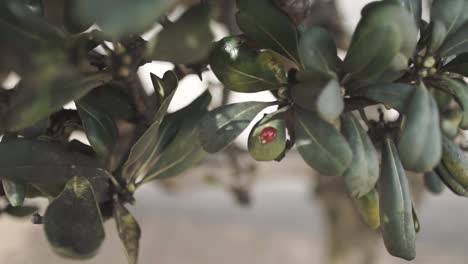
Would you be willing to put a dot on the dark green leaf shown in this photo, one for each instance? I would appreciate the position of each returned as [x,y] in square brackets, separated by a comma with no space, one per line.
[43,95]
[392,95]
[457,43]
[145,148]
[120,18]
[72,221]
[14,191]
[458,65]
[317,50]
[420,142]
[129,231]
[322,96]
[243,69]
[21,211]
[360,178]
[321,145]
[271,28]
[48,166]
[192,34]
[433,183]
[220,127]
[100,128]
[396,216]
[382,44]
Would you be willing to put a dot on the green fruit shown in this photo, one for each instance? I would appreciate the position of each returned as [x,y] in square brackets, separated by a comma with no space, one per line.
[456,162]
[368,207]
[267,140]
[396,216]
[433,183]
[360,178]
[322,96]
[420,143]
[245,70]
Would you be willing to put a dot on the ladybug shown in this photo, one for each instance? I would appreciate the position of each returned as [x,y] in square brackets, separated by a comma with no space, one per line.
[267,135]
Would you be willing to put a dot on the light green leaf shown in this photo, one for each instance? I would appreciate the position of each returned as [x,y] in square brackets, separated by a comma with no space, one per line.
[220,127]
[129,232]
[14,191]
[270,27]
[321,145]
[72,221]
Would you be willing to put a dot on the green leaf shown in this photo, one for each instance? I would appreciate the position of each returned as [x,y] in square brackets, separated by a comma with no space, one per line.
[458,65]
[220,127]
[270,27]
[321,95]
[120,18]
[14,191]
[457,43]
[396,216]
[392,95]
[360,178]
[368,206]
[129,231]
[192,34]
[72,221]
[446,18]
[413,6]
[100,128]
[317,49]
[321,145]
[433,183]
[420,142]
[48,167]
[144,149]
[37,98]
[382,44]
[455,161]
[259,148]
[450,181]
[243,69]
[458,89]
[21,211]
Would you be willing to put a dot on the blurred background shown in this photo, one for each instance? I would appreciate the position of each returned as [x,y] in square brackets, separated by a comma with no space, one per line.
[232,210]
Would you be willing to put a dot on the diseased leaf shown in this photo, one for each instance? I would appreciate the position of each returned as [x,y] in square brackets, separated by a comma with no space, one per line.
[220,127]
[317,50]
[192,34]
[321,145]
[120,18]
[271,28]
[72,221]
[243,69]
[396,216]
[392,95]
[14,191]
[48,166]
[129,231]
[100,128]
[144,149]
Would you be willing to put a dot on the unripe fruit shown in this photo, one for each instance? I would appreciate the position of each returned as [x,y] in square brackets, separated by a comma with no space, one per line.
[267,140]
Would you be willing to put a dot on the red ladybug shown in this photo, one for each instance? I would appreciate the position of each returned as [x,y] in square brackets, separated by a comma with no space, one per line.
[267,135]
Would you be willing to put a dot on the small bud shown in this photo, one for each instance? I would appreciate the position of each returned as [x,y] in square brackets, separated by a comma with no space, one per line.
[267,135]
[423,73]
[126,59]
[432,71]
[283,93]
[429,62]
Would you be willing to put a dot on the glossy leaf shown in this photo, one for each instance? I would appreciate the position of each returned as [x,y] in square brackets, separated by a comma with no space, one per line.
[360,178]
[14,191]
[321,145]
[396,208]
[243,69]
[192,34]
[48,167]
[317,50]
[100,128]
[267,149]
[420,142]
[129,231]
[144,149]
[446,18]
[37,99]
[382,44]
[120,18]
[270,27]
[392,95]
[368,207]
[72,221]
[322,96]
[222,126]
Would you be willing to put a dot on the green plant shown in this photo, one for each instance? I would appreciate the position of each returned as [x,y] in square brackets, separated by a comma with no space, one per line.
[395,59]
